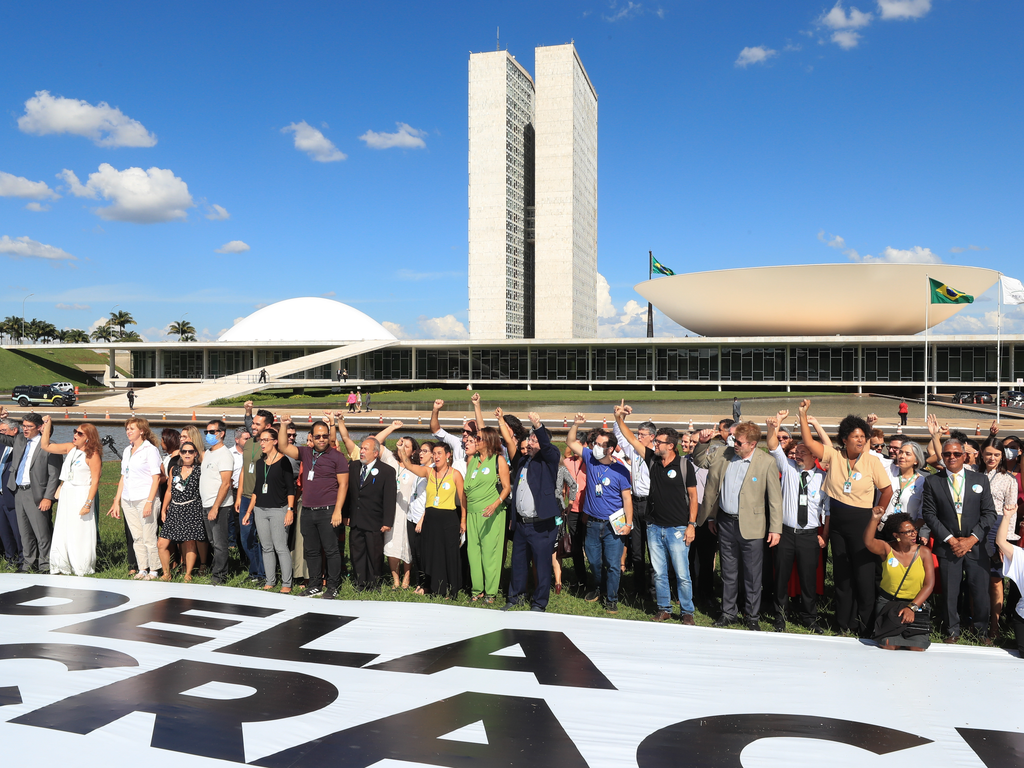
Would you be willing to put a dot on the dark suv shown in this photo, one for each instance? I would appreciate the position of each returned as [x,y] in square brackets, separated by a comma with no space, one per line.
[42,395]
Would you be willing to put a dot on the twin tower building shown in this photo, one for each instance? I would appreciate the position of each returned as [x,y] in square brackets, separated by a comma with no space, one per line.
[532,197]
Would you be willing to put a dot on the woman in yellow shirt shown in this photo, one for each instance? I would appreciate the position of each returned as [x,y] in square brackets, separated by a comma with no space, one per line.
[908,577]
[855,478]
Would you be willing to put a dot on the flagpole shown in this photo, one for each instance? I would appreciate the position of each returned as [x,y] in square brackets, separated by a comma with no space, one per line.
[927,305]
[650,307]
[999,334]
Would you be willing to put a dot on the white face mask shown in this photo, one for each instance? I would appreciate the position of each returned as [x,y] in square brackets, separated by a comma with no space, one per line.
[599,452]
[730,441]
[1011,453]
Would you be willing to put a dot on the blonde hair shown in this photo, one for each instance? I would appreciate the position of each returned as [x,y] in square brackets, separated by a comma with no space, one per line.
[196,438]
[143,426]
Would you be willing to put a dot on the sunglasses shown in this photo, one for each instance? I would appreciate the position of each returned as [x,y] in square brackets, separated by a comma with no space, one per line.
[186,452]
[321,437]
[952,455]
[212,431]
[79,433]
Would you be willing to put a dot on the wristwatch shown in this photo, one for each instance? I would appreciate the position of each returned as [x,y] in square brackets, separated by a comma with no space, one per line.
[691,522]
[914,607]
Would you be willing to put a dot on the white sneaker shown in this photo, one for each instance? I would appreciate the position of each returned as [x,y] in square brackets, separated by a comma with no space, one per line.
[141,575]
[152,575]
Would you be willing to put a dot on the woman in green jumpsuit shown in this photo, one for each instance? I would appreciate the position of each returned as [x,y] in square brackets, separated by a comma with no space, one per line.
[487,486]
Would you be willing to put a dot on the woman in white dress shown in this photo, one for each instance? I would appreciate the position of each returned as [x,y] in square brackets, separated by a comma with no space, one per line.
[396,540]
[73,547]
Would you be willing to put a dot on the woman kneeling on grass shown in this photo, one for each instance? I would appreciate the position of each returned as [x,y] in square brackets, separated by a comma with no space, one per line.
[908,577]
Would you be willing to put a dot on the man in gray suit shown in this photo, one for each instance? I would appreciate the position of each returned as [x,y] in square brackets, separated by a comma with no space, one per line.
[33,480]
[742,502]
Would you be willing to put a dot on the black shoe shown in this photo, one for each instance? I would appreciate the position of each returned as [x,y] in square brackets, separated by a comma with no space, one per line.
[254,579]
[330,594]
[216,582]
[312,592]
[815,628]
[511,604]
[724,621]
[752,625]
[780,625]
[536,609]
[611,607]
[592,596]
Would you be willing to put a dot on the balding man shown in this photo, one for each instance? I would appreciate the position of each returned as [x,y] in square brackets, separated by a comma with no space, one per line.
[372,495]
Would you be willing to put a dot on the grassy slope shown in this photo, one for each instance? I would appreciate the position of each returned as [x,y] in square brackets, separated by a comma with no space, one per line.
[502,396]
[47,366]
[111,564]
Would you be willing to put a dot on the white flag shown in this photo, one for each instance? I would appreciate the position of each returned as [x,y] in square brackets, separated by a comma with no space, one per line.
[1013,290]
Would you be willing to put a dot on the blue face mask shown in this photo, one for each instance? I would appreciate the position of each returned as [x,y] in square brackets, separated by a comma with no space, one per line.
[211,440]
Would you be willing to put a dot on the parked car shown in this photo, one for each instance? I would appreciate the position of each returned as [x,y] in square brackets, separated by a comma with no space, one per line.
[964,396]
[42,395]
[983,398]
[1014,398]
[63,386]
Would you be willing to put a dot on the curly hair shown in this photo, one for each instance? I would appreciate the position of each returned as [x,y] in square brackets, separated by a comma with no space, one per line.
[893,523]
[851,424]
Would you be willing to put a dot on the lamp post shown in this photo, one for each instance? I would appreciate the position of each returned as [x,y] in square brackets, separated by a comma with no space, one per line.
[23,314]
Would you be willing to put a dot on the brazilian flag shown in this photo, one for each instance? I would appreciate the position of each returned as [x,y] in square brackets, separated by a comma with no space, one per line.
[943,294]
[660,269]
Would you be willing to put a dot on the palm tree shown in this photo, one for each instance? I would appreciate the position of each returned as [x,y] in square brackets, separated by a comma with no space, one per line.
[33,329]
[11,327]
[75,336]
[129,336]
[46,331]
[122,319]
[181,329]
[103,333]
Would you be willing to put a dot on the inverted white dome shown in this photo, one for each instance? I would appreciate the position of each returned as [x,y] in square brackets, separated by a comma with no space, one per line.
[311,319]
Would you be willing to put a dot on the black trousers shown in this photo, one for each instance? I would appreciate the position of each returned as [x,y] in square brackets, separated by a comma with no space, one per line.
[953,570]
[577,523]
[418,578]
[367,551]
[739,554]
[853,568]
[638,545]
[317,534]
[537,539]
[803,549]
[702,566]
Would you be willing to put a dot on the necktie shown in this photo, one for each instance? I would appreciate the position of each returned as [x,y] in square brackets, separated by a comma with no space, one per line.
[801,507]
[958,498]
[362,475]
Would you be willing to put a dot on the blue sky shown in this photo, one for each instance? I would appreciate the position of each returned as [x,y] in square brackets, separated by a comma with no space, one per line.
[285,151]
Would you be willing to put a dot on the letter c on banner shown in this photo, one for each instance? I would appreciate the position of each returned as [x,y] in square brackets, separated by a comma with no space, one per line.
[716,742]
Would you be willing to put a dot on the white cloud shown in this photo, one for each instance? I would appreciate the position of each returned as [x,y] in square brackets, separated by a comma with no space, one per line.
[405,137]
[915,255]
[398,330]
[235,246]
[217,213]
[835,242]
[72,306]
[19,186]
[964,324]
[605,308]
[237,320]
[309,140]
[903,9]
[839,18]
[106,126]
[756,55]
[447,327]
[97,323]
[627,11]
[329,294]
[37,207]
[413,276]
[138,196]
[958,249]
[25,248]
[846,39]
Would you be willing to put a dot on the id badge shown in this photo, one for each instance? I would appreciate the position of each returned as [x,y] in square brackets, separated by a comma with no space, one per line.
[898,508]
[309,477]
[848,487]
[802,499]
[473,476]
[265,488]
[437,501]
[252,468]
[599,490]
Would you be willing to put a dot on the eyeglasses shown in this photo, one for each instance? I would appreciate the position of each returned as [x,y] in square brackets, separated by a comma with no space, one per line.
[912,532]
[186,452]
[663,442]
[267,440]
[952,454]
[79,433]
[321,437]
[212,431]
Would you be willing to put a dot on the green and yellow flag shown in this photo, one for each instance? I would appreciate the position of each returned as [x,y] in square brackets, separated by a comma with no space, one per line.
[660,269]
[943,294]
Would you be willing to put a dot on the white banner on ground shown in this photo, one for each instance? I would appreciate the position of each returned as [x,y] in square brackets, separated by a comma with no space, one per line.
[173,674]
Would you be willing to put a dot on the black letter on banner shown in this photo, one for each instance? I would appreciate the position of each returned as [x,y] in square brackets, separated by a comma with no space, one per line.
[521,733]
[716,742]
[285,642]
[184,723]
[74,657]
[996,749]
[550,656]
[127,625]
[82,601]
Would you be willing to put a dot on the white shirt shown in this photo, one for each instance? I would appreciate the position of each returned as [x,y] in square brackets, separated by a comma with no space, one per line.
[26,461]
[236,456]
[1014,569]
[215,462]
[458,451]
[732,482]
[641,473]
[910,498]
[138,469]
[962,483]
[791,472]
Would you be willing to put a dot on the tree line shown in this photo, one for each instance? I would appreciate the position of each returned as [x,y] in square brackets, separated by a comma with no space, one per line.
[114,329]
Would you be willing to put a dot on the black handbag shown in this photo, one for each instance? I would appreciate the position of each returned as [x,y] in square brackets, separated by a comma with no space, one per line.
[888,622]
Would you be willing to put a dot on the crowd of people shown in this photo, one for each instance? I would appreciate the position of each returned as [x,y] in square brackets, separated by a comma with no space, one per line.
[909,531]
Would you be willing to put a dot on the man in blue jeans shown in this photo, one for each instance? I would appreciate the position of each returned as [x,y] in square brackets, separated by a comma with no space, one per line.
[671,516]
[608,493]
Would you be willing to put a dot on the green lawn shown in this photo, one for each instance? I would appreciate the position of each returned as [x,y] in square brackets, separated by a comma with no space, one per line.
[111,564]
[461,397]
[37,367]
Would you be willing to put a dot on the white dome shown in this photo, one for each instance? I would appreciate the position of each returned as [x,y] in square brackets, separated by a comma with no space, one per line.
[311,319]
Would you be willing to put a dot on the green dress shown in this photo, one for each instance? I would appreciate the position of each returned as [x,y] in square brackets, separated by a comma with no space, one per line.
[484,535]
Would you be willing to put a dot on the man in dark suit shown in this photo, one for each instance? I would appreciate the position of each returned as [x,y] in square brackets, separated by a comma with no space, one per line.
[372,492]
[742,502]
[535,507]
[33,480]
[958,508]
[9,535]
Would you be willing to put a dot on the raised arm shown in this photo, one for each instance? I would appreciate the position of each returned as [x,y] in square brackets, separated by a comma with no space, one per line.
[383,434]
[773,423]
[44,439]
[621,412]
[817,449]
[291,451]
[1007,549]
[935,444]
[506,434]
[351,449]
[875,546]
[574,445]
[477,413]
[435,422]
[820,431]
